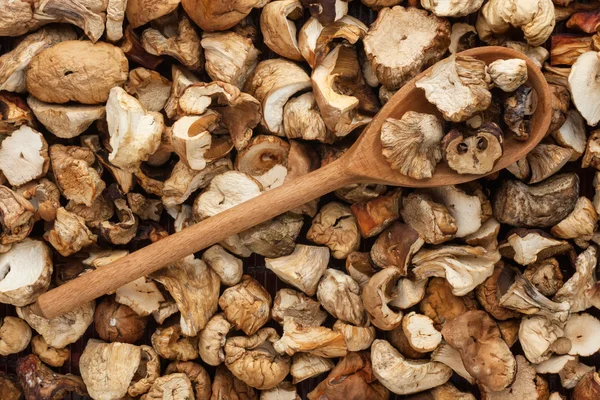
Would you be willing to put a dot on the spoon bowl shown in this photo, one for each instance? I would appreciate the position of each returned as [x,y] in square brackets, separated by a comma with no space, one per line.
[362,163]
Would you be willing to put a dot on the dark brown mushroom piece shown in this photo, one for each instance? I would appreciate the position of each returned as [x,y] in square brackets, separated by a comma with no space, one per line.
[441,305]
[41,383]
[116,322]
[395,246]
[473,154]
[373,216]
[518,110]
[9,389]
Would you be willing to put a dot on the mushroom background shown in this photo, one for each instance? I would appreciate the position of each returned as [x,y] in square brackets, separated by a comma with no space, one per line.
[124,121]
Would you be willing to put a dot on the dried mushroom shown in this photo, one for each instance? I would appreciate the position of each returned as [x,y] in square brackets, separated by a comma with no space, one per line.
[527,246]
[377,294]
[228,267]
[170,344]
[357,337]
[526,384]
[69,233]
[15,113]
[474,154]
[278,28]
[441,305]
[149,87]
[197,375]
[246,305]
[571,134]
[359,267]
[303,268]
[24,156]
[121,232]
[420,332]
[580,330]
[306,311]
[211,340]
[316,340]
[509,74]
[49,355]
[15,335]
[582,84]
[340,295]
[116,322]
[227,386]
[302,119]
[576,290]
[335,227]
[395,247]
[431,220]
[375,215]
[9,388]
[211,15]
[175,386]
[41,383]
[141,295]
[306,366]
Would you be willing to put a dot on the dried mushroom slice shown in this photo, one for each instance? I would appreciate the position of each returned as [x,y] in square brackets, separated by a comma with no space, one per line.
[488,294]
[306,366]
[176,385]
[509,74]
[578,290]
[305,310]
[402,41]
[441,305]
[49,355]
[169,343]
[420,332]
[340,295]
[545,275]
[431,220]
[15,113]
[191,138]
[449,8]
[15,335]
[278,28]
[141,295]
[225,385]
[411,145]
[26,270]
[581,330]
[346,30]
[475,154]
[518,109]
[149,87]
[211,339]
[545,160]
[395,247]
[273,238]
[571,134]
[147,372]
[404,376]
[227,266]
[527,384]
[580,223]
[582,83]
[24,156]
[246,305]
[218,15]
[316,340]
[254,361]
[302,119]
[449,356]
[357,337]
[377,295]
[265,159]
[303,268]
[462,37]
[373,216]
[458,86]
[40,382]
[335,227]
[197,375]
[69,234]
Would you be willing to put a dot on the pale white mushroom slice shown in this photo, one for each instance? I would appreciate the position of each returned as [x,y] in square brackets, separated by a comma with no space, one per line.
[408,293]
[583,85]
[357,337]
[284,391]
[537,334]
[302,119]
[580,223]
[303,268]
[411,145]
[69,234]
[115,15]
[182,78]
[141,295]
[420,332]
[307,40]
[572,134]
[582,330]
[227,266]
[451,8]
[278,28]
[25,272]
[24,156]
[431,220]
[211,339]
[265,158]
[573,372]
[65,121]
[316,340]
[575,291]
[134,132]
[509,74]
[403,376]
[225,191]
[340,295]
[149,87]
[307,365]
[191,138]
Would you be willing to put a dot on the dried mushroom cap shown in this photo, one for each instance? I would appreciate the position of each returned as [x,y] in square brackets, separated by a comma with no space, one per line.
[518,109]
[525,385]
[254,361]
[335,227]
[134,132]
[377,294]
[40,382]
[474,154]
[261,155]
[572,134]
[572,373]
[225,191]
[560,103]
[284,391]
[409,293]
[582,83]
[449,356]
[69,233]
[346,30]
[182,78]
[225,386]
[306,366]
[576,291]
[60,331]
[195,288]
[48,354]
[211,15]
[297,306]
[147,372]
[191,138]
[541,205]
[326,11]
[346,102]
[588,388]
[591,158]
[545,275]
[303,268]
[581,330]
[535,18]
[395,247]
[431,220]
[340,295]
[246,305]
[357,337]
[527,246]
[537,336]
[488,294]
[579,223]
[565,49]
[275,237]
[149,87]
[317,340]
[14,63]
[373,216]
[116,322]
[402,41]
[411,145]
[227,266]
[486,236]
[485,355]
[172,386]
[509,74]
[358,192]
[352,377]
[15,113]
[230,57]
[15,335]
[24,156]
[278,28]
[121,232]
[76,71]
[547,159]
[272,83]
[468,79]
[212,339]
[140,12]
[420,332]
[447,392]
[141,295]
[462,37]
[17,216]
[197,375]
[302,119]
[451,8]
[404,376]
[464,267]
[170,344]
[146,209]
[108,368]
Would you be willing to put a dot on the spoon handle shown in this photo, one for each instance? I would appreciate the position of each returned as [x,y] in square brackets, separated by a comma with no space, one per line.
[192,239]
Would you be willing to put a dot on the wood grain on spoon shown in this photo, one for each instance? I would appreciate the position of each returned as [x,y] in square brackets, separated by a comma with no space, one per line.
[362,163]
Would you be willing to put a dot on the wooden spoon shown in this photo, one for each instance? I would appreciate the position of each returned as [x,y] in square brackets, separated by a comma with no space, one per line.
[362,163]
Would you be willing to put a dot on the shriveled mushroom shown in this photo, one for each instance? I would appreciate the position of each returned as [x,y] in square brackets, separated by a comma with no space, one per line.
[518,109]
[147,372]
[176,385]
[411,145]
[265,159]
[140,12]
[402,41]
[15,335]
[359,267]
[377,214]
[49,355]
[225,386]
[24,156]
[170,344]
[195,288]
[475,154]
[285,390]
[121,232]
[576,290]
[303,268]
[302,119]
[545,160]
[509,74]
[527,246]
[69,233]
[246,305]
[420,332]
[40,382]
[16,113]
[149,87]
[306,366]
[540,337]
[317,340]
[221,14]
[526,384]
[488,295]
[582,84]
[581,222]
[306,311]
[273,238]
[212,339]
[409,293]
[191,138]
[431,220]
[377,294]
[76,71]
[60,331]
[451,357]
[572,134]
[545,275]
[357,337]
[335,227]
[253,359]
[404,376]
[278,28]
[395,247]
[227,266]
[116,322]
[197,375]
[339,294]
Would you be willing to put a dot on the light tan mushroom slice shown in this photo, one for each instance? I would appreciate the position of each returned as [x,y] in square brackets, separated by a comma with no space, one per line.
[420,332]
[305,310]
[357,337]
[469,80]
[272,83]
[61,331]
[265,159]
[346,30]
[527,384]
[87,15]
[581,330]
[24,156]
[335,227]
[246,305]
[395,247]
[449,356]
[182,78]
[211,340]
[307,365]
[48,354]
[462,37]
[140,12]
[431,220]
[26,270]
[174,35]
[575,290]
[581,222]
[225,191]
[360,268]
[230,57]
[227,266]
[218,15]
[16,114]
[345,100]
[147,372]
[408,293]
[450,8]
[191,138]
[115,15]
[134,132]
[303,268]
[108,368]
[475,154]
[403,376]
[15,335]
[546,160]
[149,87]
[317,340]
[573,372]
[307,40]
[171,344]
[583,84]
[538,335]
[278,28]
[402,41]
[14,63]
[275,237]
[195,288]
[340,295]
[509,74]
[572,134]
[121,232]
[545,275]
[284,391]
[17,217]
[69,233]
[411,145]
[527,246]
[377,294]
[141,295]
